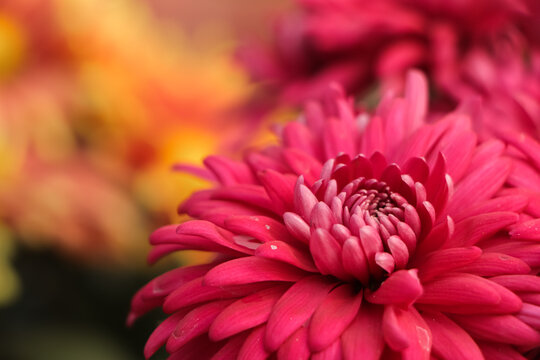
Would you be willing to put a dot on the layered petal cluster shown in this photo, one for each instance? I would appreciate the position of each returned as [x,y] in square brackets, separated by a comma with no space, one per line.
[360,236]
[362,44]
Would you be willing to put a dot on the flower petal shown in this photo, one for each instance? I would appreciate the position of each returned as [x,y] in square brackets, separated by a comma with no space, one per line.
[363,338]
[449,340]
[333,316]
[296,346]
[245,313]
[401,288]
[251,269]
[294,308]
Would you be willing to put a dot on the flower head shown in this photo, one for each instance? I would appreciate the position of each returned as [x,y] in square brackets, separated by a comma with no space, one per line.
[359,236]
[362,44]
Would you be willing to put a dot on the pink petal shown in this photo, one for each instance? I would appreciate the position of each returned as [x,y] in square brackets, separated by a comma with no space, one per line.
[304,201]
[333,316]
[207,231]
[458,151]
[231,349]
[302,163]
[298,135]
[437,187]
[354,260]
[322,217]
[441,261]
[499,328]
[401,288]
[159,336]
[526,283]
[253,348]
[326,252]
[251,269]
[476,228]
[337,138]
[436,238]
[513,203]
[262,228]
[297,227]
[416,97]
[195,292]
[418,169]
[295,347]
[449,340]
[332,352]
[418,334]
[459,289]
[399,251]
[229,172]
[281,251]
[245,313]
[393,333]
[294,308]
[363,338]
[492,264]
[373,137]
[372,244]
[280,189]
[253,195]
[498,351]
[195,323]
[528,230]
[479,185]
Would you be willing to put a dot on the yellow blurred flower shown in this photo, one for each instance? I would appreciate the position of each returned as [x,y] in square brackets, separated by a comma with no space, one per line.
[98,99]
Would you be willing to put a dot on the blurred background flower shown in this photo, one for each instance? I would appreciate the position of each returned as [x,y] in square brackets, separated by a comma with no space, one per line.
[368,46]
[98,99]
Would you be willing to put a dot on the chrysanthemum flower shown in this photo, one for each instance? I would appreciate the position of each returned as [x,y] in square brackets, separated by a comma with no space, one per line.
[361,236]
[362,43]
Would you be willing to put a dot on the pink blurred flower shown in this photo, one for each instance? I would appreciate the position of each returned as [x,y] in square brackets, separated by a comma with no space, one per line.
[362,44]
[360,236]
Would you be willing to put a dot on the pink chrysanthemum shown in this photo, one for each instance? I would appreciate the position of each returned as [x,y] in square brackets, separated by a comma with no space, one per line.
[362,43]
[359,237]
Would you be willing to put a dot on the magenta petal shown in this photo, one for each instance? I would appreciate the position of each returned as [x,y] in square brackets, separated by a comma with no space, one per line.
[302,163]
[418,334]
[492,264]
[195,292]
[333,316]
[527,283]
[449,340]
[249,270]
[363,338]
[262,228]
[231,349]
[294,308]
[281,251]
[322,216]
[195,323]
[476,228]
[355,261]
[479,185]
[253,195]
[512,203]
[159,336]
[399,251]
[528,230]
[245,313]
[280,189]
[416,97]
[401,288]
[229,172]
[498,351]
[436,238]
[499,328]
[297,226]
[253,348]
[207,231]
[304,201]
[437,188]
[295,347]
[326,252]
[459,289]
[393,333]
[441,261]
[418,169]
[332,352]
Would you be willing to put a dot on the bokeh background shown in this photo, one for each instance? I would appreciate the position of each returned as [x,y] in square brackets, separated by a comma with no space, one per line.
[98,100]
